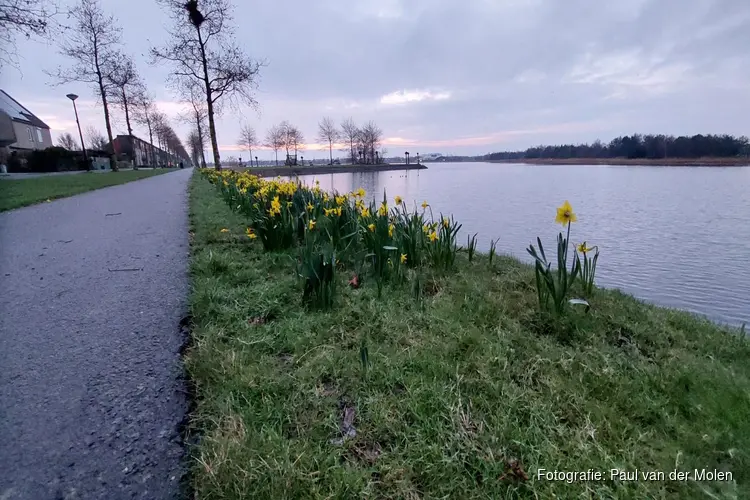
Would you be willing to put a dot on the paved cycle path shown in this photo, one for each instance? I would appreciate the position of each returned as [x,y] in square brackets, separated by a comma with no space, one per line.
[92,291]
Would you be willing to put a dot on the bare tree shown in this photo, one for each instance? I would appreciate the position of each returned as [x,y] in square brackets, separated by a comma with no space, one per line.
[327,132]
[126,86]
[370,137]
[297,140]
[95,139]
[248,139]
[92,44]
[275,139]
[25,18]
[143,111]
[68,142]
[202,49]
[350,133]
[196,147]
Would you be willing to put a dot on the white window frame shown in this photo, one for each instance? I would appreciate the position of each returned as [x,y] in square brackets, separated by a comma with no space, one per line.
[31,134]
[39,136]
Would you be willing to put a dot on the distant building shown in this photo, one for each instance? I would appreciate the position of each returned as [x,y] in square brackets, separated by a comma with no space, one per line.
[133,149]
[20,129]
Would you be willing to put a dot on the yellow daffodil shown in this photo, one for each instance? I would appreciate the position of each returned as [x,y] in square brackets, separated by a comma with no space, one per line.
[371,227]
[361,193]
[310,207]
[565,214]
[225,230]
[426,229]
[338,211]
[243,190]
[383,210]
[433,236]
[391,227]
[328,211]
[288,204]
[276,204]
[365,212]
[250,233]
[446,222]
[584,249]
[325,197]
[340,200]
[398,200]
[403,258]
[311,225]
[425,204]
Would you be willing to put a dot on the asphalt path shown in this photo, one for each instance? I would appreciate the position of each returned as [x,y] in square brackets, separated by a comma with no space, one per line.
[92,292]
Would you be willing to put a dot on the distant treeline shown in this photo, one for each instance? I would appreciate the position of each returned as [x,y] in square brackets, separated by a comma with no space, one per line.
[639,146]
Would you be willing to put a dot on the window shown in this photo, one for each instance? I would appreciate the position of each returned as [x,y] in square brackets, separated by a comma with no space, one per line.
[31,135]
[39,136]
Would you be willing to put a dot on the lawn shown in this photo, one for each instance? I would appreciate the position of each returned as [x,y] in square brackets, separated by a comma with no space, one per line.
[15,193]
[454,392]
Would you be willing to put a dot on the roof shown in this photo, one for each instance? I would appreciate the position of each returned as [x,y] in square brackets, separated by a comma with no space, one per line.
[19,113]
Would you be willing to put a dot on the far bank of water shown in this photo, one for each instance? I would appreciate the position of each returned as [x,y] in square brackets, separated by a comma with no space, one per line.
[678,236]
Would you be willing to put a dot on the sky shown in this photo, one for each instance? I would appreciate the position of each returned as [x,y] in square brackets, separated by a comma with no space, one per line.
[461,77]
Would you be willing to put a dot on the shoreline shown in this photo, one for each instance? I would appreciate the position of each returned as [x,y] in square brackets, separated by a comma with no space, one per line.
[659,162]
[461,358]
[326,169]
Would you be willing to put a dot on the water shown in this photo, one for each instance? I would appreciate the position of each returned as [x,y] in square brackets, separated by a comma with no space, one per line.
[674,236]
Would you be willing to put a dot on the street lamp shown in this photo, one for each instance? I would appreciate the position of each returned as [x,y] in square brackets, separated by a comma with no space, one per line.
[406,155]
[256,161]
[73,98]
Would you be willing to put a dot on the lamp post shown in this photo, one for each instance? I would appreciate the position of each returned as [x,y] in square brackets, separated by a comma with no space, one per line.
[406,155]
[417,158]
[256,162]
[73,98]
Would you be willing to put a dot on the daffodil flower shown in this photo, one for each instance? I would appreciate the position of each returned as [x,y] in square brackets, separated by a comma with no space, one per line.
[225,230]
[365,212]
[433,236]
[311,225]
[403,258]
[584,249]
[310,207]
[371,227]
[391,227]
[250,233]
[446,222]
[425,205]
[398,200]
[565,214]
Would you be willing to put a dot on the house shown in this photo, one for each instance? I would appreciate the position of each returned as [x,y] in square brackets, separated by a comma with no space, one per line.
[133,149]
[28,131]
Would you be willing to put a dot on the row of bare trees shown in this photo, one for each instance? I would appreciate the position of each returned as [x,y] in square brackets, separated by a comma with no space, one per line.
[361,143]
[208,69]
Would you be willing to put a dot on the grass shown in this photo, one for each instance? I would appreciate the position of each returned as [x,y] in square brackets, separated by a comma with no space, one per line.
[16,193]
[458,394]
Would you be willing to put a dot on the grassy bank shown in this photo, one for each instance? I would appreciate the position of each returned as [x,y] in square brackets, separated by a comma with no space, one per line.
[461,393]
[657,162]
[15,193]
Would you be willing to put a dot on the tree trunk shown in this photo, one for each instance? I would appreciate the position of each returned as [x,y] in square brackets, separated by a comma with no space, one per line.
[209,103]
[200,135]
[103,92]
[330,151]
[151,141]
[277,156]
[127,112]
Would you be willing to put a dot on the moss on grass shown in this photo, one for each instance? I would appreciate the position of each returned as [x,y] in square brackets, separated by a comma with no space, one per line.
[462,393]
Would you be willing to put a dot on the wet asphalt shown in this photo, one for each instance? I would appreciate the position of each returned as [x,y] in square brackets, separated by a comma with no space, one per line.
[92,395]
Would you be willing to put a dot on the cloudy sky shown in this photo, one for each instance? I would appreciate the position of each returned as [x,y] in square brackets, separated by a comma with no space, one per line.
[453,76]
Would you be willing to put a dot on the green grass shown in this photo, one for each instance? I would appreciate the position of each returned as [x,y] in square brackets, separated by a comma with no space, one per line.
[15,193]
[456,389]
